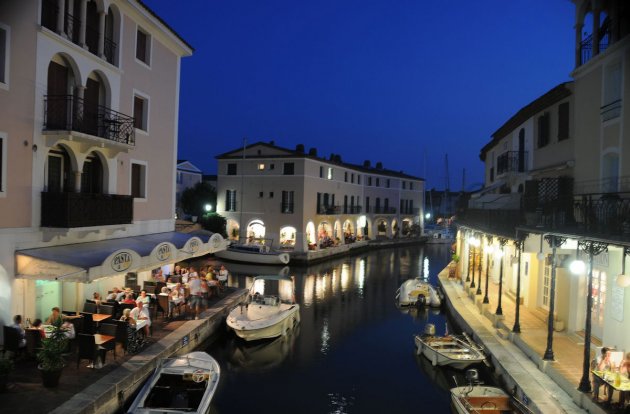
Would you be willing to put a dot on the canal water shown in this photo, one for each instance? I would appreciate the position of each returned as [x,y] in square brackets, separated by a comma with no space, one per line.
[353,351]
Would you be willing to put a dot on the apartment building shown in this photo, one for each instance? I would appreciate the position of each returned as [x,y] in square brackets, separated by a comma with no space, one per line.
[301,201]
[557,194]
[188,175]
[89,92]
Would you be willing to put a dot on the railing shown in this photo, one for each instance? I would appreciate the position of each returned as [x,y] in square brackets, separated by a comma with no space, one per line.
[586,46]
[384,210]
[328,209]
[69,113]
[412,211]
[110,50]
[611,110]
[354,209]
[49,14]
[68,210]
[603,185]
[512,161]
[286,208]
[91,39]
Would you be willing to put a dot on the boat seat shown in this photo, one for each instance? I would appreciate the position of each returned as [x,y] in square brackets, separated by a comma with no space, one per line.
[160,397]
[489,404]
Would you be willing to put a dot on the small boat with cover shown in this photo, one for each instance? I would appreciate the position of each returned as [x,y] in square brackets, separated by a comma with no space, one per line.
[454,351]
[254,253]
[418,292]
[184,384]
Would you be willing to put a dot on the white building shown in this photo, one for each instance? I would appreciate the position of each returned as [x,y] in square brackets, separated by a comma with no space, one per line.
[304,202]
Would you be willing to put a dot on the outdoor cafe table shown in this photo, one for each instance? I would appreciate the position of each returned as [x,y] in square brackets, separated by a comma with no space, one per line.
[100,317]
[609,378]
[100,339]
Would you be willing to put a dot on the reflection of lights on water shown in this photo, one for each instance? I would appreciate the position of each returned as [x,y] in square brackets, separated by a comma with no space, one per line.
[320,287]
[334,282]
[339,404]
[345,277]
[361,275]
[325,337]
[309,285]
[425,268]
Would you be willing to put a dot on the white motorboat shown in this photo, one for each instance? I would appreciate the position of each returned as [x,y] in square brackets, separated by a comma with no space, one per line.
[476,398]
[448,350]
[270,310]
[184,384]
[417,292]
[439,235]
[254,253]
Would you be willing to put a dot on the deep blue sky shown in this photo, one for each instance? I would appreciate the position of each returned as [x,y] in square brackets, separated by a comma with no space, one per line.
[382,80]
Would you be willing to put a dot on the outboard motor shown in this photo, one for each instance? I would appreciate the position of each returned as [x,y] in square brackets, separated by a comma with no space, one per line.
[429,329]
[421,301]
[472,377]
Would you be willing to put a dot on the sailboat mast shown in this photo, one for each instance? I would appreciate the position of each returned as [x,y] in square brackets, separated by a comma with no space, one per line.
[240,217]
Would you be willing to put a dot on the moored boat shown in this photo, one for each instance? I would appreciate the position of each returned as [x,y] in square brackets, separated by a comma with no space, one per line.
[254,253]
[270,310]
[417,292]
[439,235]
[476,398]
[448,350]
[184,384]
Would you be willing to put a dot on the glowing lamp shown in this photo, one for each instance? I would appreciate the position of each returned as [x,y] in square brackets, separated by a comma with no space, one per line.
[540,256]
[208,207]
[577,267]
[623,281]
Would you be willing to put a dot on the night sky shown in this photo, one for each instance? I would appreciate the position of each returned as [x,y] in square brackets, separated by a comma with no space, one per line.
[396,81]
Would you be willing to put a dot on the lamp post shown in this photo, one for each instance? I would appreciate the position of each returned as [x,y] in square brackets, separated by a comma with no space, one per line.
[476,256]
[479,268]
[554,243]
[502,243]
[489,249]
[469,259]
[592,249]
[517,324]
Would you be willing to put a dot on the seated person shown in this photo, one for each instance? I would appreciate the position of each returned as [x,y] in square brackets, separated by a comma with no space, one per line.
[140,312]
[17,325]
[175,298]
[129,299]
[37,324]
[113,296]
[122,293]
[624,367]
[144,298]
[57,318]
[603,363]
[96,297]
[126,317]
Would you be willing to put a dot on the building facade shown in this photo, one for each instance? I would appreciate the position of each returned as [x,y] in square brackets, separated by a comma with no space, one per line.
[303,202]
[564,202]
[89,92]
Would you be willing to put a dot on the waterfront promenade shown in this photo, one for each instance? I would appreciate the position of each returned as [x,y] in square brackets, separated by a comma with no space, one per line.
[551,387]
[84,390]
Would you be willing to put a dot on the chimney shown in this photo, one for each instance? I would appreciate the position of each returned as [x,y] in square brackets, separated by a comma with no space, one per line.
[272,142]
[312,152]
[299,148]
[379,165]
[367,164]
[337,158]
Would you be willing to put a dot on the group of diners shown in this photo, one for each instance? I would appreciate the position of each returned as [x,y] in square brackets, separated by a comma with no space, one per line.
[610,373]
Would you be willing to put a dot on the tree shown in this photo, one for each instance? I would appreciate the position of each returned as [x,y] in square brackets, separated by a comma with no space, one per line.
[214,222]
[194,200]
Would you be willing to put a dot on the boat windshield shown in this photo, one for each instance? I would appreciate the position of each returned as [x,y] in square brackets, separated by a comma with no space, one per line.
[272,291]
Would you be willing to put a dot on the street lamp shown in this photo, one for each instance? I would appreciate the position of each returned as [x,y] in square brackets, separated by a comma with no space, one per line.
[489,250]
[208,207]
[502,243]
[519,248]
[554,242]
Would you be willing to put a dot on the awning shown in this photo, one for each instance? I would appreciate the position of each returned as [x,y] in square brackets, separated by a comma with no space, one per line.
[86,262]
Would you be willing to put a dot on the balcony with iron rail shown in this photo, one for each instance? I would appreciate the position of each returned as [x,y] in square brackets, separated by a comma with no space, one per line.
[328,210]
[69,210]
[70,113]
[351,209]
[586,46]
[410,211]
[512,162]
[384,210]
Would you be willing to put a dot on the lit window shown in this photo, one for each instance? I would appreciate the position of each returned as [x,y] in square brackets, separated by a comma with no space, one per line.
[261,167]
[330,173]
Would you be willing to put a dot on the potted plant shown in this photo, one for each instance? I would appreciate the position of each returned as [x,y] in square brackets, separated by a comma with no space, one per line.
[6,366]
[50,357]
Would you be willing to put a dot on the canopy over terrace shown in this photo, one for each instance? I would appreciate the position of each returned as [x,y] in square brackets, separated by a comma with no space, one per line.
[86,262]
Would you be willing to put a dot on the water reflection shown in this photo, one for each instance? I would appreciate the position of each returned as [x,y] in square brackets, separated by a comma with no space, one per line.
[354,351]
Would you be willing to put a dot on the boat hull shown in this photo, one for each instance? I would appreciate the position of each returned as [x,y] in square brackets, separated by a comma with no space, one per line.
[449,351]
[275,327]
[272,258]
[411,290]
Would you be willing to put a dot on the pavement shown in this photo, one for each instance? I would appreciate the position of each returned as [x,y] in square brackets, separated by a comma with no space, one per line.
[551,385]
[80,388]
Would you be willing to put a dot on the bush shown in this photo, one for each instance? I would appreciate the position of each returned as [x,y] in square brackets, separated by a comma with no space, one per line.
[215,223]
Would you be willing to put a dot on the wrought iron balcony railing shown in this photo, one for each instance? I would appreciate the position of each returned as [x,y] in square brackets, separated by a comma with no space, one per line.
[384,210]
[413,211]
[586,46]
[328,209]
[512,161]
[110,50]
[69,113]
[351,209]
[49,14]
[69,210]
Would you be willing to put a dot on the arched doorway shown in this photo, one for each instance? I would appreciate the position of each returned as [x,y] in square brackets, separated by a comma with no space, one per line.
[62,79]
[325,235]
[232,229]
[311,237]
[363,227]
[348,232]
[337,231]
[58,176]
[381,227]
[256,231]
[287,236]
[406,228]
[395,228]
[92,174]
[93,103]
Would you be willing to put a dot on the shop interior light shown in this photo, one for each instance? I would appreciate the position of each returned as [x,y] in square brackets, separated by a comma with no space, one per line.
[623,280]
[540,256]
[577,267]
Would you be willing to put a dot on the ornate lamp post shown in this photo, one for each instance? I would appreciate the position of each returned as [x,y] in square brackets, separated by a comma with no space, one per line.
[479,268]
[592,249]
[469,259]
[489,249]
[502,243]
[517,324]
[476,256]
[554,243]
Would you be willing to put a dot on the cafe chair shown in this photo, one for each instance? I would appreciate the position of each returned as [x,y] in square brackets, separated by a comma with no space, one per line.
[88,349]
[149,289]
[89,307]
[121,334]
[88,324]
[11,341]
[161,305]
[107,309]
[109,329]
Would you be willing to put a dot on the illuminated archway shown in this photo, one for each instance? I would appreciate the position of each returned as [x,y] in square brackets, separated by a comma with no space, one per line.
[406,227]
[381,227]
[287,236]
[311,239]
[232,229]
[256,231]
[325,237]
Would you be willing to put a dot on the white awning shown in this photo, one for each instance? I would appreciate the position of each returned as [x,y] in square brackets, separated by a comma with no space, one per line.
[85,262]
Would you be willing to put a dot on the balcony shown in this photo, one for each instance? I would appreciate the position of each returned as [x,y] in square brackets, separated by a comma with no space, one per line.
[69,210]
[330,210]
[586,46]
[69,113]
[410,211]
[511,162]
[384,210]
[286,208]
